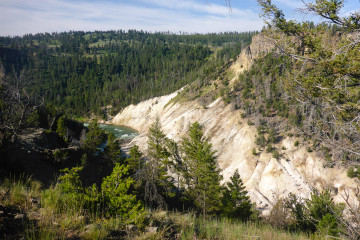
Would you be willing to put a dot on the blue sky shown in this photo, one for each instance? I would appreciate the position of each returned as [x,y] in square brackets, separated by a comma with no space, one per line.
[19,17]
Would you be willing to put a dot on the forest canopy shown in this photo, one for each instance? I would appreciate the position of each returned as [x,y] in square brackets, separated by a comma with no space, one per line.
[82,72]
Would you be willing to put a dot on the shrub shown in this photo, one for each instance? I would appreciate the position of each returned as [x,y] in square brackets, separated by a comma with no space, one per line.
[299,214]
[113,150]
[272,135]
[254,152]
[262,122]
[275,154]
[68,196]
[329,225]
[352,172]
[260,140]
[70,182]
[280,216]
[325,212]
[269,148]
[120,202]
[94,137]
[83,160]
[60,155]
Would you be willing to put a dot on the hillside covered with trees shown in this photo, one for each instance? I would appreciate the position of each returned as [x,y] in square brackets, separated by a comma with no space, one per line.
[81,72]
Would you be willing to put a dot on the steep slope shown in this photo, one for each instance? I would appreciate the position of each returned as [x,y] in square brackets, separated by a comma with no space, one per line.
[266,178]
[258,47]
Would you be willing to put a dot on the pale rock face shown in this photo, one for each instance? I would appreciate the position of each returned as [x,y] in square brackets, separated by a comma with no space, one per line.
[267,179]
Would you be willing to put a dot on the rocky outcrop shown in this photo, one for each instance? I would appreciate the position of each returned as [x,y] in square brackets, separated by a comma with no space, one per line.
[258,47]
[38,153]
[266,178]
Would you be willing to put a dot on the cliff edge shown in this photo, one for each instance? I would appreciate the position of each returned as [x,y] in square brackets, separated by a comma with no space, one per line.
[267,179]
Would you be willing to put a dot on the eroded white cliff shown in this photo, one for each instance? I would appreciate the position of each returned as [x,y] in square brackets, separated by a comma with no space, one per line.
[266,178]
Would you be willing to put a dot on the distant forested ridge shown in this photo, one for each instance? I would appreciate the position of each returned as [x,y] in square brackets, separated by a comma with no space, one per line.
[81,72]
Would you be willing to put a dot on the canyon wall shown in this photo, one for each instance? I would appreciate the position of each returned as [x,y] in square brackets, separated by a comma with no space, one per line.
[266,178]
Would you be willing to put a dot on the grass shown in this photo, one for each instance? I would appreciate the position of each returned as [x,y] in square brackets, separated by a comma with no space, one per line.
[180,97]
[20,193]
[188,226]
[60,217]
[81,119]
[225,229]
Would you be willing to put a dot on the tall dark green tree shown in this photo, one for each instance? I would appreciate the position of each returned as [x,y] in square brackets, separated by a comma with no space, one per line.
[158,186]
[61,128]
[157,150]
[135,160]
[236,203]
[94,137]
[201,174]
[113,150]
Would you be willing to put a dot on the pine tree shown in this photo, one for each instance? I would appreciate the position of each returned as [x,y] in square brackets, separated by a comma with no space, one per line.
[93,138]
[158,185]
[201,174]
[327,214]
[236,203]
[61,128]
[115,190]
[113,150]
[134,161]
[325,76]
[157,143]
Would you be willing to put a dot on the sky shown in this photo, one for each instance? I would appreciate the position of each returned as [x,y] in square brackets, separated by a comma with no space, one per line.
[19,17]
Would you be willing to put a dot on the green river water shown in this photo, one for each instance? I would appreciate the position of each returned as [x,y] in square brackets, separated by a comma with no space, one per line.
[121,132]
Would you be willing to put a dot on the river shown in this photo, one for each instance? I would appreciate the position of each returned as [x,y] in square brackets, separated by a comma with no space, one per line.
[121,132]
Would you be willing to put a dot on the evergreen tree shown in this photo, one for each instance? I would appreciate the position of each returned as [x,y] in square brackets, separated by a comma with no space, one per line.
[134,161]
[158,186]
[61,128]
[325,213]
[236,203]
[326,76]
[93,138]
[201,174]
[157,150]
[115,189]
[113,150]
[69,181]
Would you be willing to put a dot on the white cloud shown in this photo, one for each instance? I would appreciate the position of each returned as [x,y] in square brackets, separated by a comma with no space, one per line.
[20,17]
[290,3]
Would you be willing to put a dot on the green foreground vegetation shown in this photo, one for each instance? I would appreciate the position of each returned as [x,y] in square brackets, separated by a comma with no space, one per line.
[45,220]
[47,223]
[141,198]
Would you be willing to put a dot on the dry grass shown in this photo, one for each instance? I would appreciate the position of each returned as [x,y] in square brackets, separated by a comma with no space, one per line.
[23,193]
[188,227]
